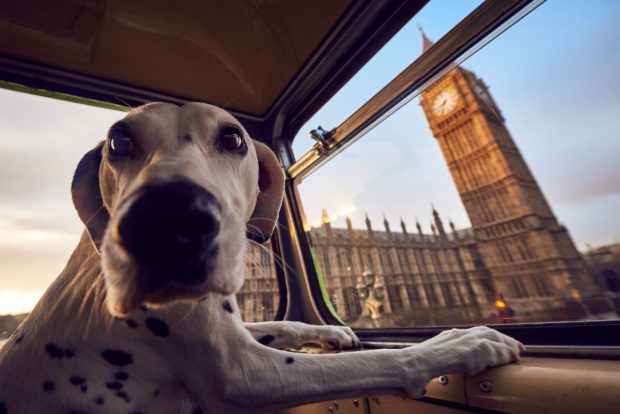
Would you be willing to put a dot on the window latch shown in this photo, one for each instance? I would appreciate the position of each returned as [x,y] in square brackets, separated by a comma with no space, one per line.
[322,139]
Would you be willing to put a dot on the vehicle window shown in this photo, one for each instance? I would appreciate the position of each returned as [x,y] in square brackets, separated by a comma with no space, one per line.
[41,141]
[493,196]
[437,18]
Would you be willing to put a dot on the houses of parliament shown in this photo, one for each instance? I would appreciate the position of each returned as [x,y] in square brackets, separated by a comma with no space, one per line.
[516,256]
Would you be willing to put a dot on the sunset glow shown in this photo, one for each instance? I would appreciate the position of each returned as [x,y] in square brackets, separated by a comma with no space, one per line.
[15,302]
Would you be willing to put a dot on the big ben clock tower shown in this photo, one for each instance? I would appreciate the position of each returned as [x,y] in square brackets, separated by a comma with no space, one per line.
[531,257]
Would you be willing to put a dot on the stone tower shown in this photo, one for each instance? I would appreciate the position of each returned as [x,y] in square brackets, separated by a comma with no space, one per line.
[531,257]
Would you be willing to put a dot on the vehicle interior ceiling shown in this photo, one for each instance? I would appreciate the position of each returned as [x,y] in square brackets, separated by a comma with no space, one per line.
[273,65]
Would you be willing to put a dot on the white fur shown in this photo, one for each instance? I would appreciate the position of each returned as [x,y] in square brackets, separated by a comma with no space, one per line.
[209,360]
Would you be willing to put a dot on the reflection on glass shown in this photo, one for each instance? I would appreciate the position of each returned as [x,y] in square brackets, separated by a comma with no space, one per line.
[510,260]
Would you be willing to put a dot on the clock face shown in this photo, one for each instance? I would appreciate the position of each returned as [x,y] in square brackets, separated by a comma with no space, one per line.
[445,102]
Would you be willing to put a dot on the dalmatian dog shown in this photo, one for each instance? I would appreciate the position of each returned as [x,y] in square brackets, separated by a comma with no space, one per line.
[143,318]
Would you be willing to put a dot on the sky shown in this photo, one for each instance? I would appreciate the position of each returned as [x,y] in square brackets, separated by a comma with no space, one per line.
[553,76]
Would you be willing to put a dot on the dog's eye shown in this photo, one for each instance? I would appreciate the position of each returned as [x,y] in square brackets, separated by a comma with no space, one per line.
[232,139]
[121,146]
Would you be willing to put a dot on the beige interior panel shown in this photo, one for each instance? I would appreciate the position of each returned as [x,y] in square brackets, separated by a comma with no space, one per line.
[396,405]
[450,388]
[549,385]
[239,54]
[532,386]
[330,407]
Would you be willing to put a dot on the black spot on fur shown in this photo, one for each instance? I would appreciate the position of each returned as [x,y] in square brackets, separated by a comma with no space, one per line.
[121,376]
[155,393]
[84,388]
[118,358]
[197,411]
[114,385]
[266,340]
[157,327]
[49,386]
[75,380]
[3,409]
[227,306]
[123,396]
[55,351]
[187,138]
[99,401]
[19,339]
[131,323]
[289,360]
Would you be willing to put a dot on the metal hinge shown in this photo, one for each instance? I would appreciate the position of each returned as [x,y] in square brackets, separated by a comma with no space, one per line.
[322,139]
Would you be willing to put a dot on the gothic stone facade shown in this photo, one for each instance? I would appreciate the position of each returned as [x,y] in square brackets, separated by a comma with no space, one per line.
[428,279]
[259,298]
[515,250]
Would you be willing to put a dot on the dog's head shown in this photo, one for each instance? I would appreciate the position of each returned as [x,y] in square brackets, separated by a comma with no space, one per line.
[168,199]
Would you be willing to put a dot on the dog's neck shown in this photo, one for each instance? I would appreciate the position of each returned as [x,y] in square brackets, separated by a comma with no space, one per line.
[77,297]
[72,327]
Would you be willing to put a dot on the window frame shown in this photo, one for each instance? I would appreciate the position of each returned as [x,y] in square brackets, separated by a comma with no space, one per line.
[574,339]
[480,27]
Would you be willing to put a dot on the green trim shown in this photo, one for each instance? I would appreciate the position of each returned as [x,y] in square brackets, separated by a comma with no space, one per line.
[326,299]
[61,96]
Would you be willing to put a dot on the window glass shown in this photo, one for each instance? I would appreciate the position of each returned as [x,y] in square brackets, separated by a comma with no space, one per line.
[41,141]
[490,198]
[437,18]
[259,297]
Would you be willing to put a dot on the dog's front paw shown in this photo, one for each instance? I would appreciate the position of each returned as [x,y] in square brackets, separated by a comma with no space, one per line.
[335,337]
[472,350]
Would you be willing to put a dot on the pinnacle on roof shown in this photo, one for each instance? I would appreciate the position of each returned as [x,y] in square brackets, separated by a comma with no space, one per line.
[386,224]
[426,42]
[403,226]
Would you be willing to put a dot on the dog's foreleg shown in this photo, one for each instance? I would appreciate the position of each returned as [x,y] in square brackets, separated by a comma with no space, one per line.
[287,334]
[242,376]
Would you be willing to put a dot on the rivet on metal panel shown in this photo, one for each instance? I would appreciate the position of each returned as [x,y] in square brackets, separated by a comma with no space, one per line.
[443,380]
[485,386]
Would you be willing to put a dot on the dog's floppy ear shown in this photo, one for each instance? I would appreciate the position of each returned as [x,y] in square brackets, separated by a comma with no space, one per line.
[271,186]
[86,195]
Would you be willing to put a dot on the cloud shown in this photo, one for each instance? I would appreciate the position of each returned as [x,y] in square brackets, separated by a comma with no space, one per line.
[339,183]
[42,141]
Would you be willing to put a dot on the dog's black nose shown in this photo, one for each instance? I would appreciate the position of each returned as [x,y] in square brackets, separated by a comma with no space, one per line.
[170,229]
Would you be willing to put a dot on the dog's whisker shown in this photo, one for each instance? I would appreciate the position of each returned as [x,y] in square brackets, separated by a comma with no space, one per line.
[118,98]
[279,260]
[229,102]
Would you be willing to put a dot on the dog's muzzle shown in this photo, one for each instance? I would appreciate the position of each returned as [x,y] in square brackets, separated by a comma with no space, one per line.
[170,232]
